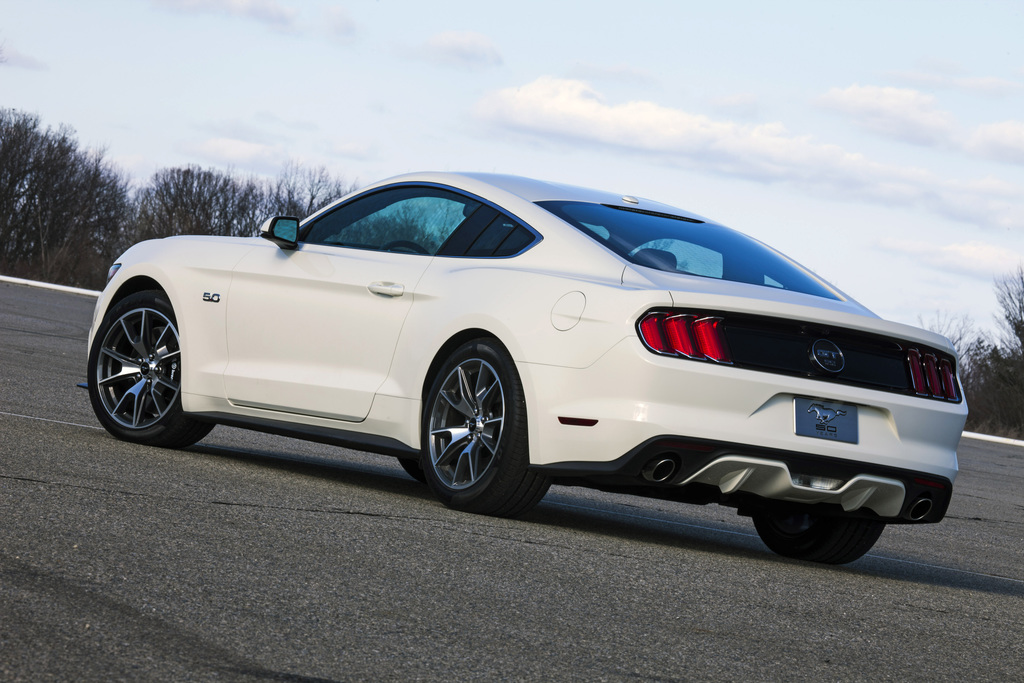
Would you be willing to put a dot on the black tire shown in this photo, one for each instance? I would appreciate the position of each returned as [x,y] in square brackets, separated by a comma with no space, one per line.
[830,540]
[475,445]
[414,468]
[135,374]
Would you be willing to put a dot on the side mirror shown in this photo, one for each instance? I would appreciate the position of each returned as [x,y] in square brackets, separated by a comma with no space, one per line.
[282,231]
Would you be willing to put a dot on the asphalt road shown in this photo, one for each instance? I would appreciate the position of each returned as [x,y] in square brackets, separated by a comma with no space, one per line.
[255,558]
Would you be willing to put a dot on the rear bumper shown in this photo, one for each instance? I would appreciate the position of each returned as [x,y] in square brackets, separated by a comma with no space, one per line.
[748,477]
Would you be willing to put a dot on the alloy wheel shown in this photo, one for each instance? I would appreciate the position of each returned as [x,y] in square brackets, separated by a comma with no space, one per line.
[138,374]
[465,424]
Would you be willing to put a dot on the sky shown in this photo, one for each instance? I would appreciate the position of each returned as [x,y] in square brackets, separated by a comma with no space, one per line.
[880,144]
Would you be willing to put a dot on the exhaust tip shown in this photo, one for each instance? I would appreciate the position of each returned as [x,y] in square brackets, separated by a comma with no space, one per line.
[920,508]
[660,469]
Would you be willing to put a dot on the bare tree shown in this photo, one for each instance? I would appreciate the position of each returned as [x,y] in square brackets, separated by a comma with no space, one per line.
[60,205]
[197,201]
[992,370]
[1010,295]
[299,191]
[957,329]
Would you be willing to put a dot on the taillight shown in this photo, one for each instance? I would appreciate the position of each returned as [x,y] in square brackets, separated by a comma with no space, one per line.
[679,335]
[948,380]
[930,376]
[652,332]
[931,373]
[710,335]
[688,335]
[916,372]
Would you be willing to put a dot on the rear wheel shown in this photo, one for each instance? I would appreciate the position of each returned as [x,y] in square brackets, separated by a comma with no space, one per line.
[831,540]
[475,445]
[135,374]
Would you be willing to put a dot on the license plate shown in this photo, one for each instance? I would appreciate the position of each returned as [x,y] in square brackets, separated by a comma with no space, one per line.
[825,420]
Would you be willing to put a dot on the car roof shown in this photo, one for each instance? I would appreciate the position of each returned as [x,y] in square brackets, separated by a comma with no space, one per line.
[532,190]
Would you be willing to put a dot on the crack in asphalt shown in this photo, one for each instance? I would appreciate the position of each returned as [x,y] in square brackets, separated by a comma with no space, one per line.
[983,520]
[49,419]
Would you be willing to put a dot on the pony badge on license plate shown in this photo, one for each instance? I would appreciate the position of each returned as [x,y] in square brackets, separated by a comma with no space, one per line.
[825,420]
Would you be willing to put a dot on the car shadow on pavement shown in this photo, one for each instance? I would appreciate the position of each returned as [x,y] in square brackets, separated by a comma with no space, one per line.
[610,516]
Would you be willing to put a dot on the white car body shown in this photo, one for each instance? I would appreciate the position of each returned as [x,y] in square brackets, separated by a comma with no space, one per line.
[324,340]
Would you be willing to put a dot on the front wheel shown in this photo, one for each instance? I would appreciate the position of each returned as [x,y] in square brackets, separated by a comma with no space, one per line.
[135,374]
[831,540]
[475,445]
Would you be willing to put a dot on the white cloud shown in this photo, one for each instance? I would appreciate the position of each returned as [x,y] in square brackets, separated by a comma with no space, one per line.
[266,11]
[621,73]
[136,165]
[12,57]
[906,115]
[948,77]
[743,105]
[244,129]
[1000,141]
[570,111]
[975,259]
[359,151]
[339,23]
[242,153]
[274,119]
[461,49]
[911,116]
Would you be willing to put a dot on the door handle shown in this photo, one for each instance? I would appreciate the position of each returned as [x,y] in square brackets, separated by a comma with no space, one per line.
[390,289]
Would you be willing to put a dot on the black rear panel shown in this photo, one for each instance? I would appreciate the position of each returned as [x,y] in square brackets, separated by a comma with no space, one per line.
[767,344]
[789,347]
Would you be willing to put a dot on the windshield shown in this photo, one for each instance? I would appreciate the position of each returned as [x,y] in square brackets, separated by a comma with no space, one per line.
[684,245]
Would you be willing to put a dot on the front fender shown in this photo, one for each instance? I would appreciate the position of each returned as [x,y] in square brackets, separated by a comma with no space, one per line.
[195,275]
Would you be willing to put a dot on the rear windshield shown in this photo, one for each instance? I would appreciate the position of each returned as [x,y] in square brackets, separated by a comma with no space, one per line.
[683,245]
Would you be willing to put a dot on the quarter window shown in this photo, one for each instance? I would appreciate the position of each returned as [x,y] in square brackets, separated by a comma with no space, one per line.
[502,237]
[490,234]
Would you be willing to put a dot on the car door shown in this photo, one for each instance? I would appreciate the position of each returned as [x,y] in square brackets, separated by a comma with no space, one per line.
[312,331]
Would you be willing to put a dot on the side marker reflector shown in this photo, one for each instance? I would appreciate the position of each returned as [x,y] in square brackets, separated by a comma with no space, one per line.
[577,421]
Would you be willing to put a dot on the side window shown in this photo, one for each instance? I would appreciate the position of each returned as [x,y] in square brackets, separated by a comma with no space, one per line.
[407,219]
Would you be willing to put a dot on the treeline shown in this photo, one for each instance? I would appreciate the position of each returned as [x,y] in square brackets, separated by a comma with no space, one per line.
[67,212]
[992,370]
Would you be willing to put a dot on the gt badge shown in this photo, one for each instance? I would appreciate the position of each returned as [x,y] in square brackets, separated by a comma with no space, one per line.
[827,356]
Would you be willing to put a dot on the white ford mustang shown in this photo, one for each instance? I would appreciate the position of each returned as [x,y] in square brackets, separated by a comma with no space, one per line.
[498,334]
